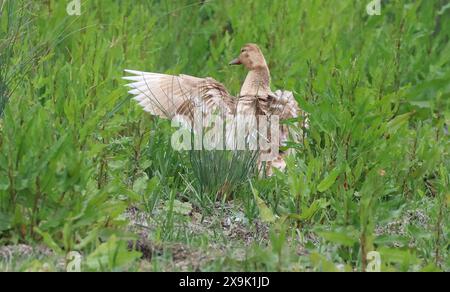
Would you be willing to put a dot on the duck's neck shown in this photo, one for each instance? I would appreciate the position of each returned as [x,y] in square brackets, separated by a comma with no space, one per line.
[257,82]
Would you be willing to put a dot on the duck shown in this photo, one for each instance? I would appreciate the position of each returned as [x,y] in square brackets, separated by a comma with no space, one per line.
[173,96]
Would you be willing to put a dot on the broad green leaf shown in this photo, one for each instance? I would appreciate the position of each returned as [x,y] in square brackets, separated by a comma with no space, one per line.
[396,123]
[48,240]
[5,221]
[342,238]
[327,182]
[308,213]
[4,183]
[264,212]
[112,255]
[398,256]
[92,236]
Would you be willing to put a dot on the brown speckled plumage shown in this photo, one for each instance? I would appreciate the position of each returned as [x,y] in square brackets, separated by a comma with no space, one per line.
[167,95]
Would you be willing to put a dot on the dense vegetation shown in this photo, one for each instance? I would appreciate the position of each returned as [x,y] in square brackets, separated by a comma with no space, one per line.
[82,168]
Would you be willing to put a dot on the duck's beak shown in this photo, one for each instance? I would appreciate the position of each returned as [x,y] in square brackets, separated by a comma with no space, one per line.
[235,62]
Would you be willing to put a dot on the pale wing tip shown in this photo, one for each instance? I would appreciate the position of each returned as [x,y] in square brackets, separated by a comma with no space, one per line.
[138,73]
[134,91]
[131,78]
[131,85]
[141,73]
[135,72]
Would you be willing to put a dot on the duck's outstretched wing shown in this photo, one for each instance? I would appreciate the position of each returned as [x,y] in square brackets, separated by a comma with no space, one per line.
[283,104]
[168,96]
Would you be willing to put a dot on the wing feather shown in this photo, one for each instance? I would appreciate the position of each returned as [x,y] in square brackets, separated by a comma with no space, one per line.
[169,95]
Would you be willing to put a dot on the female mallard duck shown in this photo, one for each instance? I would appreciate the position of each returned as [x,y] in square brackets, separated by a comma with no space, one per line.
[169,96]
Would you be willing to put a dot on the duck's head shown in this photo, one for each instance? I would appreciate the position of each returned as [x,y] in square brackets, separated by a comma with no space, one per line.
[251,57]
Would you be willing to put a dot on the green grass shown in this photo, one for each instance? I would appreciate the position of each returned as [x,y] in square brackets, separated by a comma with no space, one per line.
[76,154]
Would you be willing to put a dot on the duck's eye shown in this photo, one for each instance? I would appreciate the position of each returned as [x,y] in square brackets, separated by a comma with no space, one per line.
[243,50]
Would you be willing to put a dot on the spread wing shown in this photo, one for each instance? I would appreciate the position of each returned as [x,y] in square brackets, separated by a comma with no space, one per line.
[283,104]
[168,96]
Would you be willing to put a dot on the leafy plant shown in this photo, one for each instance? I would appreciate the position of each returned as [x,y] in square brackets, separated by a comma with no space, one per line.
[371,173]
